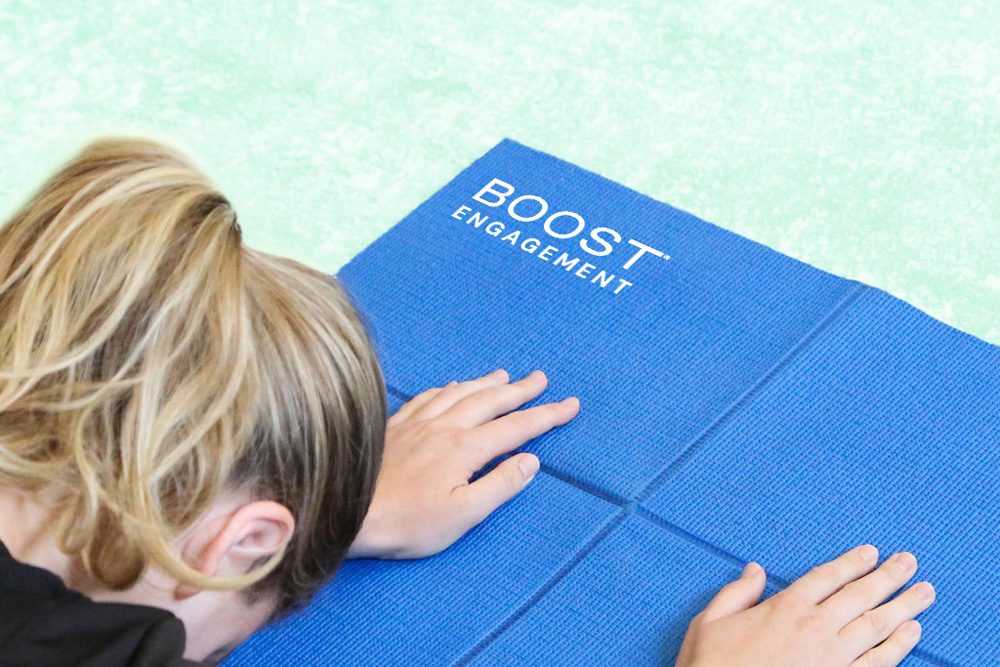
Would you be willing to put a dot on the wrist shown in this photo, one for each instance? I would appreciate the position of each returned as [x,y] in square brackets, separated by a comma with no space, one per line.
[373,540]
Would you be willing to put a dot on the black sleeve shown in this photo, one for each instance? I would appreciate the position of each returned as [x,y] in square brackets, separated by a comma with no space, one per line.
[75,631]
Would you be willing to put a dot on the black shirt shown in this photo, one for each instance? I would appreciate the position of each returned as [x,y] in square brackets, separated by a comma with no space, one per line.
[45,624]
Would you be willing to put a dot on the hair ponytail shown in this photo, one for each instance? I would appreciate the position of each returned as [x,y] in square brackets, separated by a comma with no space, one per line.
[141,347]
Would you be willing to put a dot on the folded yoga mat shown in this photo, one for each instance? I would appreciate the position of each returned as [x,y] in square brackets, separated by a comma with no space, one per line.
[736,404]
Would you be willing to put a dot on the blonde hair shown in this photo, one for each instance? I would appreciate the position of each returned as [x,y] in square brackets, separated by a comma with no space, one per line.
[149,361]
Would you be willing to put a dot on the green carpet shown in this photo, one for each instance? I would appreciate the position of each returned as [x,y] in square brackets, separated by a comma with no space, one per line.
[862,138]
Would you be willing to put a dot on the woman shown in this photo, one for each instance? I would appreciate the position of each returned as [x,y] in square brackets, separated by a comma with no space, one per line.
[191,432]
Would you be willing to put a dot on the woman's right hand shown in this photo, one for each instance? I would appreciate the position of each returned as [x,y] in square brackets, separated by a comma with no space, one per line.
[833,616]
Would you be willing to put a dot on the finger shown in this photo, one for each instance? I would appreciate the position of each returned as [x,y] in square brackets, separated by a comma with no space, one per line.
[741,594]
[869,591]
[513,430]
[891,652]
[480,498]
[872,627]
[453,392]
[407,409]
[491,402]
[824,580]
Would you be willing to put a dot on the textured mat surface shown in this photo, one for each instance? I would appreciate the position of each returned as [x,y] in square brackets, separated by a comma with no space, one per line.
[736,405]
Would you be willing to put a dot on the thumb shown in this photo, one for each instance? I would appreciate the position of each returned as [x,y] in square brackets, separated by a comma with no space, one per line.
[739,595]
[498,486]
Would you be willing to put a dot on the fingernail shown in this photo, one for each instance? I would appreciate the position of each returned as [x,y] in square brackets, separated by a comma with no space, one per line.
[906,561]
[869,553]
[529,465]
[751,570]
[913,629]
[925,590]
[571,400]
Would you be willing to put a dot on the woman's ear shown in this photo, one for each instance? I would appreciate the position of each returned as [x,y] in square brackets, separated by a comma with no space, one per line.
[229,545]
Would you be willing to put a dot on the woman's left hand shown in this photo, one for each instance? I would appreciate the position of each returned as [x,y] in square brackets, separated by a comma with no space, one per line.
[435,443]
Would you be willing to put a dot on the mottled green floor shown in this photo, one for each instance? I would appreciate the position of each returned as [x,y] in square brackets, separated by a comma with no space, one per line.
[863,138]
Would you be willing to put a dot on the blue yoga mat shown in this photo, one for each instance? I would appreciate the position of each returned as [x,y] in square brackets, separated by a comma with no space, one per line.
[736,404]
